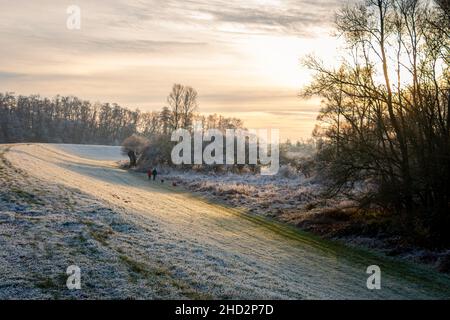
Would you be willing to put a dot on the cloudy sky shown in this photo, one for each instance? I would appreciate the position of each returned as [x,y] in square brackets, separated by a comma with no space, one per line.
[241,56]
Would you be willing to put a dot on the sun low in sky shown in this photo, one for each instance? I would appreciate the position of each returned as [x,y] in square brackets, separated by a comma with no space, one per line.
[241,56]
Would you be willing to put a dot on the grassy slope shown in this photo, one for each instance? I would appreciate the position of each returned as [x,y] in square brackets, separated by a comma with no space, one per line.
[423,275]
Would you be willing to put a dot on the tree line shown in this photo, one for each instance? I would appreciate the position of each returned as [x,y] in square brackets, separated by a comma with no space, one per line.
[384,130]
[68,119]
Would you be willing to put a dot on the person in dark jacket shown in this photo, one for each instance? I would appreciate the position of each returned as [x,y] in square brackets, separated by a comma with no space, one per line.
[149,174]
[154,172]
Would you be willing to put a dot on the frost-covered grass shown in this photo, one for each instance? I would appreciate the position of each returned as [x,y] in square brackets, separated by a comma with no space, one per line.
[134,238]
[291,197]
[44,228]
[264,195]
[111,153]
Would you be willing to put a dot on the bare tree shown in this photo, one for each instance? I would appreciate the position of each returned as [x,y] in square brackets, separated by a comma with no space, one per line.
[133,147]
[189,106]
[175,101]
[386,111]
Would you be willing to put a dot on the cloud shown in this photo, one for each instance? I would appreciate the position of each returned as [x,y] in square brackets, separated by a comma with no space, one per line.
[106,44]
[290,17]
[10,75]
[293,17]
[241,56]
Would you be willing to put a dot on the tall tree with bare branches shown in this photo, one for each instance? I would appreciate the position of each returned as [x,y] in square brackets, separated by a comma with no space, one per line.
[387,111]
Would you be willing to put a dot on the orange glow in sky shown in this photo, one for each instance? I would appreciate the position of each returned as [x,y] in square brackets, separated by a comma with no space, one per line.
[241,56]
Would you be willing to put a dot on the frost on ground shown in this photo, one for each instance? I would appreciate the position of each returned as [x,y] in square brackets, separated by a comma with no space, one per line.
[265,195]
[293,198]
[138,239]
[44,228]
[96,152]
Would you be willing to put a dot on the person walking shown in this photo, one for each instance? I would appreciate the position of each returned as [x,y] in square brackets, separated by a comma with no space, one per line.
[149,174]
[154,172]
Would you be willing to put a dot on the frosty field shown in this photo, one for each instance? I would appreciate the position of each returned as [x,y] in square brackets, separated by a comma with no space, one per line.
[66,204]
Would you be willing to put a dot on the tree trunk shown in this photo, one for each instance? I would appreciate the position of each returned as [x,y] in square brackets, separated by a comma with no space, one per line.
[132,157]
